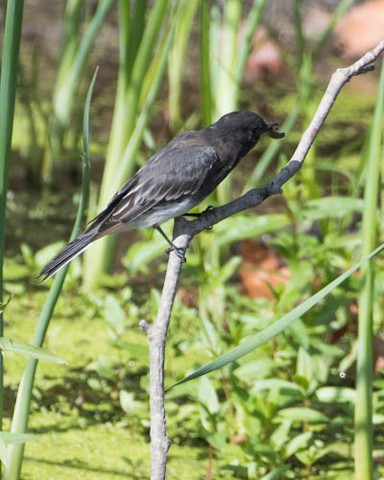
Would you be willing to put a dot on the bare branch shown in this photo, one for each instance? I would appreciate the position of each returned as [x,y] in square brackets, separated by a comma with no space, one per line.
[157,334]
[338,80]
[185,230]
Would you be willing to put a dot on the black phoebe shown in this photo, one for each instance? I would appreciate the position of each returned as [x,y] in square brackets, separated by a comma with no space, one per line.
[173,181]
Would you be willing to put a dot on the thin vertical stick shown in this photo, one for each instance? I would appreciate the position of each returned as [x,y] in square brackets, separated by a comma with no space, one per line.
[157,334]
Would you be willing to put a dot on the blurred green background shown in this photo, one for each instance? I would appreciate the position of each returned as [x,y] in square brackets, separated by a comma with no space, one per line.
[285,411]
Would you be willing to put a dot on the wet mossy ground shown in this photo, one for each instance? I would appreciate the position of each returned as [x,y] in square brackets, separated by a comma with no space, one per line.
[82,430]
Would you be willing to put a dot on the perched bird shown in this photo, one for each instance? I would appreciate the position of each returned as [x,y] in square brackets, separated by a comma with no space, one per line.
[173,181]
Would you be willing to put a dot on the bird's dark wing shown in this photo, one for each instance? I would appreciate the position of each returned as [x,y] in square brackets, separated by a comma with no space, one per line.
[168,177]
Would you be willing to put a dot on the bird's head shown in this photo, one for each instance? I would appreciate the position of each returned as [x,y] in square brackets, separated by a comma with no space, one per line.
[247,127]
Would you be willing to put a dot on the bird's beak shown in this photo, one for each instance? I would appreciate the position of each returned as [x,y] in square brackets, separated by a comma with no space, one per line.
[272,131]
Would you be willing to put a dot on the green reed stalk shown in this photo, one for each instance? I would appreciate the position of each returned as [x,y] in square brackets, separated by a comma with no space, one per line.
[227,86]
[364,372]
[73,62]
[140,76]
[224,53]
[304,65]
[176,61]
[8,82]
[133,69]
[223,57]
[205,79]
[24,393]
[226,58]
[253,21]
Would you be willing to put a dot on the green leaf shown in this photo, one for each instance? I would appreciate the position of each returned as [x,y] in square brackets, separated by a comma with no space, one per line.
[331,207]
[336,395]
[207,396]
[276,473]
[9,345]
[302,414]
[141,253]
[251,343]
[377,419]
[217,440]
[229,268]
[280,436]
[298,443]
[255,369]
[114,315]
[239,227]
[127,401]
[276,383]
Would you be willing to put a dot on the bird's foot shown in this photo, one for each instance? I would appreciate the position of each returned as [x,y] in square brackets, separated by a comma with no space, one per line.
[180,252]
[209,209]
[197,215]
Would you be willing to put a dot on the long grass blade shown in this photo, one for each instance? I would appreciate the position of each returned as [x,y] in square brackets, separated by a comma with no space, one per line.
[253,21]
[206,84]
[23,399]
[99,256]
[176,62]
[8,82]
[72,66]
[9,345]
[253,342]
[364,373]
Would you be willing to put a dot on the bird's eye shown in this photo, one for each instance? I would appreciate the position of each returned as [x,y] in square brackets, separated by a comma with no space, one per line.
[254,132]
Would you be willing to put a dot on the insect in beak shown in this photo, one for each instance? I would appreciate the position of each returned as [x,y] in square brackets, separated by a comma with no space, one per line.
[272,131]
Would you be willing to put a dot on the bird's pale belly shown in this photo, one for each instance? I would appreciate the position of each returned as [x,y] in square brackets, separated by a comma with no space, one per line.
[162,214]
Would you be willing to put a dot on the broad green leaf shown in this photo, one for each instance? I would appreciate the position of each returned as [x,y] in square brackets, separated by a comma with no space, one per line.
[9,345]
[311,455]
[378,419]
[302,414]
[251,343]
[331,207]
[259,368]
[114,315]
[141,253]
[280,436]
[297,443]
[276,383]
[335,394]
[239,227]
[207,396]
[127,401]
[229,268]
[218,440]
[276,473]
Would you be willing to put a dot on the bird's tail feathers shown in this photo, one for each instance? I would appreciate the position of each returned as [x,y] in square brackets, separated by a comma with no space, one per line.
[71,251]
